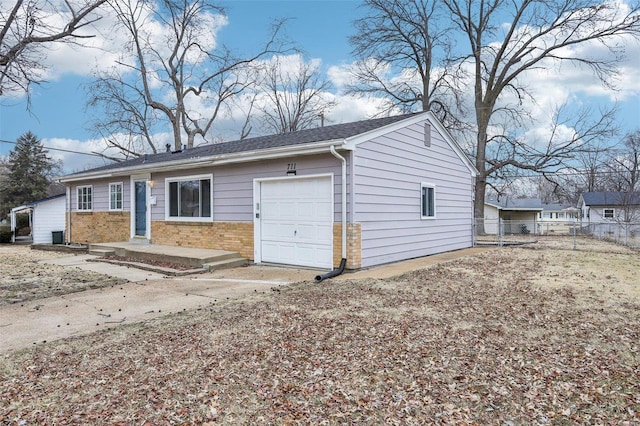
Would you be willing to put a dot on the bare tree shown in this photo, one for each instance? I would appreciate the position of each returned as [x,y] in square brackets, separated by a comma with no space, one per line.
[173,70]
[125,121]
[292,94]
[29,28]
[624,165]
[402,48]
[501,52]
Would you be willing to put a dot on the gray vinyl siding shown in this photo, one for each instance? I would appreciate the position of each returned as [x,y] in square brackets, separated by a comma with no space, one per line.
[100,193]
[233,184]
[388,173]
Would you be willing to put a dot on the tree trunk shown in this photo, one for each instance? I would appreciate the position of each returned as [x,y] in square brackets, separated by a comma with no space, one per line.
[482,120]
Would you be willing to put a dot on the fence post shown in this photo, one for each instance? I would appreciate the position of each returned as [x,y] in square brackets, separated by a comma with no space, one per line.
[573,226]
[500,231]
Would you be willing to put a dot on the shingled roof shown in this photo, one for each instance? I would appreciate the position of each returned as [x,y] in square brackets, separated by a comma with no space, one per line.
[260,143]
[611,198]
[508,203]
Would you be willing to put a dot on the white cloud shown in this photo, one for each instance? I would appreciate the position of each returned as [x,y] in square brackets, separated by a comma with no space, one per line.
[75,154]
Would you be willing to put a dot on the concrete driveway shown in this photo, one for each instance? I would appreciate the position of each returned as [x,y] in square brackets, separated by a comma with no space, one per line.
[149,295]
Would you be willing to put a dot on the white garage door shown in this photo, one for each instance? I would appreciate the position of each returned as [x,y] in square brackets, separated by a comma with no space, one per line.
[296,221]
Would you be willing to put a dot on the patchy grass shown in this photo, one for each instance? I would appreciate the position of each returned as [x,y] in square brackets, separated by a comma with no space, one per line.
[510,336]
[24,277]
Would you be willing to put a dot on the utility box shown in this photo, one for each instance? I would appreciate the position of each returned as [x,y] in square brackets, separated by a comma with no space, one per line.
[57,237]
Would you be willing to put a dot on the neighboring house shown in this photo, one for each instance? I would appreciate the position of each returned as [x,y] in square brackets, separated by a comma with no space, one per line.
[517,215]
[46,217]
[400,185]
[557,219]
[609,207]
[558,213]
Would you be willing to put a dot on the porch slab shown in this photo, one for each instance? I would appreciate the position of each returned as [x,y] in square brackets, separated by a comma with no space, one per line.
[187,256]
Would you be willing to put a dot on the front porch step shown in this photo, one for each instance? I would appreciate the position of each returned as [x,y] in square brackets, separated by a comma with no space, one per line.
[187,257]
[225,264]
[102,252]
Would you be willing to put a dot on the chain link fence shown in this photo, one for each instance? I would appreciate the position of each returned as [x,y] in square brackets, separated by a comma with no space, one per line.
[498,232]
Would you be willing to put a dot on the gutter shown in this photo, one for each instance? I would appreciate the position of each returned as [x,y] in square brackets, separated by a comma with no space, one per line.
[194,162]
[343,261]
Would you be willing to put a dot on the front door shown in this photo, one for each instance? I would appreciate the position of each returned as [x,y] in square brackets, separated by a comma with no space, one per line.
[140,208]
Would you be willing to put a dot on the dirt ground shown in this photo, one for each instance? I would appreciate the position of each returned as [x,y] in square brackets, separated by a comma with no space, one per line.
[532,334]
[23,277]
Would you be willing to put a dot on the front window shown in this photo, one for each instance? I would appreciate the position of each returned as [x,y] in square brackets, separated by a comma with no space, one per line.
[608,214]
[115,196]
[428,201]
[189,198]
[85,198]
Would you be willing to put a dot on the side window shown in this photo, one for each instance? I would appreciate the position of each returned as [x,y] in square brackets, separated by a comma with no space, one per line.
[608,214]
[85,198]
[427,201]
[115,196]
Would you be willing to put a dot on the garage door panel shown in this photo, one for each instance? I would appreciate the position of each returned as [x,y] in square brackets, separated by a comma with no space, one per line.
[278,231]
[318,234]
[311,255]
[297,222]
[279,252]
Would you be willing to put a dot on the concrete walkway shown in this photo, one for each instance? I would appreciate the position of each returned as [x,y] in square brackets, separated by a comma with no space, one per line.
[150,295]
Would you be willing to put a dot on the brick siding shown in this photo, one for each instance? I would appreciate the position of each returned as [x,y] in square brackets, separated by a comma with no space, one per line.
[104,227]
[354,245]
[231,236]
[99,227]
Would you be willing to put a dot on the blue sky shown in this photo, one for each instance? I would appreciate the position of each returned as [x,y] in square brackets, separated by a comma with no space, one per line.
[320,28]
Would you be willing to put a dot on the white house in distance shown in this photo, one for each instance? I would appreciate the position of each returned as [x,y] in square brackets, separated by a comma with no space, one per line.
[517,215]
[609,207]
[47,216]
[370,192]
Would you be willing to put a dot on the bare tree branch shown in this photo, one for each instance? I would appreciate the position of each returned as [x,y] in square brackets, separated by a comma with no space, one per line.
[27,30]
[182,78]
[292,94]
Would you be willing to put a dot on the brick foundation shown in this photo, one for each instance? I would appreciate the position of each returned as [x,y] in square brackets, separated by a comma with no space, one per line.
[98,227]
[104,227]
[231,236]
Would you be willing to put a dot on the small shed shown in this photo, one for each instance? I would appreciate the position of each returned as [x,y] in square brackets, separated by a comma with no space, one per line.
[47,218]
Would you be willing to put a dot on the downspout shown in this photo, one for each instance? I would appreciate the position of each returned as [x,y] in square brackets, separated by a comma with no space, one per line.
[67,203]
[343,262]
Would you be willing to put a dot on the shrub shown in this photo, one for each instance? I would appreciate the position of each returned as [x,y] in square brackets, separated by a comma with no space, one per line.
[5,237]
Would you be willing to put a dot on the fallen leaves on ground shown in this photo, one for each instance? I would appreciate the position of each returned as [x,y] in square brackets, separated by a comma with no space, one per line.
[481,340]
[24,277]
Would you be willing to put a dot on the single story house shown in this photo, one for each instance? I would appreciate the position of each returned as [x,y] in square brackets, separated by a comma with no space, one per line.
[370,192]
[608,206]
[47,216]
[558,213]
[518,215]
[557,218]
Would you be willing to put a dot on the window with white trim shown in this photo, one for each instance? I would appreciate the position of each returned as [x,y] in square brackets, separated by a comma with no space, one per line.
[189,198]
[608,213]
[85,198]
[115,196]
[427,201]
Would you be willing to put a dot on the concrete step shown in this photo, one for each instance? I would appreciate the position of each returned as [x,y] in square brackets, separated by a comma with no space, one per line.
[102,252]
[192,258]
[225,264]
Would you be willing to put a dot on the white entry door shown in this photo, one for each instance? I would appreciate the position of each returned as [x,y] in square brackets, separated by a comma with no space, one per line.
[296,221]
